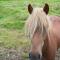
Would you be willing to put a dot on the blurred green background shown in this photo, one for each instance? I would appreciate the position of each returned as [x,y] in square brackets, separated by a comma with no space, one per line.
[13,14]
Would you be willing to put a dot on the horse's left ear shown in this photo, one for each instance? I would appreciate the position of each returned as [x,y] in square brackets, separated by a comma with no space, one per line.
[46,8]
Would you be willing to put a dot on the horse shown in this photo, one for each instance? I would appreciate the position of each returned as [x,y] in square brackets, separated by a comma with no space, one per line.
[44,32]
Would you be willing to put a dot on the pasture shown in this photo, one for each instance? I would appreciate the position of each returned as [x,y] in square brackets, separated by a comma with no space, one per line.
[13,14]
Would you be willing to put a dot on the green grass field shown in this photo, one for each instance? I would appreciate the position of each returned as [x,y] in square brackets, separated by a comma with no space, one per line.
[13,14]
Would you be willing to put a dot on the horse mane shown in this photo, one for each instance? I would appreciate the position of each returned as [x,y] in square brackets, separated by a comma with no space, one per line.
[39,19]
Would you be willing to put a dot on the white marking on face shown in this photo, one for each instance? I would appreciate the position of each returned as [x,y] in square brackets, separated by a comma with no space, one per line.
[40,47]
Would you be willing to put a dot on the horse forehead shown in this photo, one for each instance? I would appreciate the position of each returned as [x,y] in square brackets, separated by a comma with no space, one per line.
[38,9]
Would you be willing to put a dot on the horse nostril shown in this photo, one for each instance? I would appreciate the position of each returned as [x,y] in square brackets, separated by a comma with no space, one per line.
[39,56]
[34,56]
[30,55]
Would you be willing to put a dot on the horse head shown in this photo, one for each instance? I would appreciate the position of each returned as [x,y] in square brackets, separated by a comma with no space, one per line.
[37,26]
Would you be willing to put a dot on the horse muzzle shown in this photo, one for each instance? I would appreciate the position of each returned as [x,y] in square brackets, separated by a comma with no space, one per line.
[34,56]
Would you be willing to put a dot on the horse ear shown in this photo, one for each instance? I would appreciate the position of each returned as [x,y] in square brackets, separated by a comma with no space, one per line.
[30,8]
[46,8]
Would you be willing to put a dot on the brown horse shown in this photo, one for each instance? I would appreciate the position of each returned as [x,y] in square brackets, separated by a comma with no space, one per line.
[44,32]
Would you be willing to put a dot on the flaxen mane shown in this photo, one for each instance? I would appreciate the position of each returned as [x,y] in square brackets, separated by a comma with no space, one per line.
[39,19]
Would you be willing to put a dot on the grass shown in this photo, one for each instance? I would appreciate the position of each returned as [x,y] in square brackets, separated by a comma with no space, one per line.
[13,14]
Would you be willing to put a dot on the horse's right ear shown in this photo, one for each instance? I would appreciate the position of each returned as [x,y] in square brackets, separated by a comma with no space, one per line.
[30,8]
[46,8]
